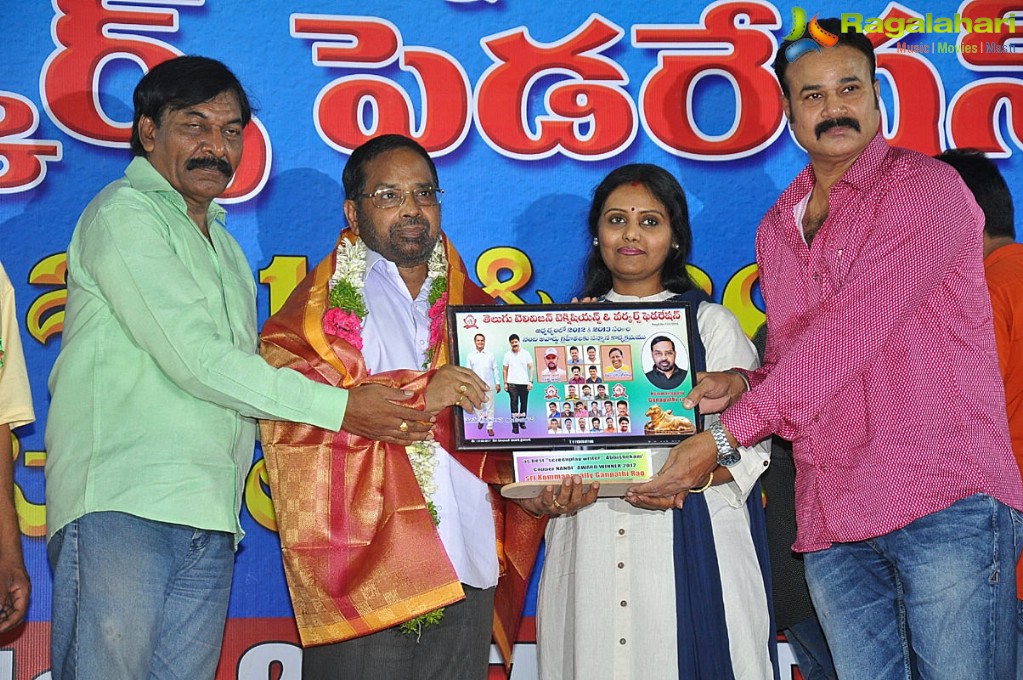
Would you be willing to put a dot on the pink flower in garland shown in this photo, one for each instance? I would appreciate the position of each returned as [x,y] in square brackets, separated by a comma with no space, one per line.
[343,324]
[437,320]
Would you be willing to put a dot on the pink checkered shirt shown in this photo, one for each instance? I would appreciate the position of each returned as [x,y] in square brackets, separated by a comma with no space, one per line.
[880,365]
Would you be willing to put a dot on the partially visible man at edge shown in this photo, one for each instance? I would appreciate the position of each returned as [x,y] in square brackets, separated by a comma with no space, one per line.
[1003,269]
[881,367]
[368,546]
[15,411]
[155,393]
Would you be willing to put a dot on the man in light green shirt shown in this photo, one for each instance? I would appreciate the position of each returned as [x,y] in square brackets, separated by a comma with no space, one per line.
[156,391]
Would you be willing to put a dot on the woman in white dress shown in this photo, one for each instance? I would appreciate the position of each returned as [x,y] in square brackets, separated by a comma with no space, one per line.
[651,594]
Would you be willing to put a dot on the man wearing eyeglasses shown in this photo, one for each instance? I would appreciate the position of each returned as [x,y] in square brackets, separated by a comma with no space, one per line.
[391,550]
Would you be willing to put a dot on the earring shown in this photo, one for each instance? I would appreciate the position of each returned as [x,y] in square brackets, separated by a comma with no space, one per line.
[675,246]
[595,242]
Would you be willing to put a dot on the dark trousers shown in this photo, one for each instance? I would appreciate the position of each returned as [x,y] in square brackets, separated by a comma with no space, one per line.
[458,648]
[519,395]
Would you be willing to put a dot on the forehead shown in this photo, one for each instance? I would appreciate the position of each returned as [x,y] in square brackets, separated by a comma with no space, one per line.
[663,345]
[829,66]
[224,107]
[397,167]
[631,195]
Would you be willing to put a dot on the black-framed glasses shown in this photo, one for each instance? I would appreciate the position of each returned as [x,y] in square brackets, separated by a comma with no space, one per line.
[392,198]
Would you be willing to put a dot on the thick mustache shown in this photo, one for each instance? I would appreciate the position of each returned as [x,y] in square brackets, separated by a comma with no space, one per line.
[210,163]
[411,222]
[826,125]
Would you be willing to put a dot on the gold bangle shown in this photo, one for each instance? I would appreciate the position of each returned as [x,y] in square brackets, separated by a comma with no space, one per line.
[710,480]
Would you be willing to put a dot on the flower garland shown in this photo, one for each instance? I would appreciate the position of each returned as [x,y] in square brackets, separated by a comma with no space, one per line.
[346,312]
[346,306]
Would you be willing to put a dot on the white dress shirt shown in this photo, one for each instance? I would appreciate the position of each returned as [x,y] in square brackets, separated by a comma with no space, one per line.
[396,335]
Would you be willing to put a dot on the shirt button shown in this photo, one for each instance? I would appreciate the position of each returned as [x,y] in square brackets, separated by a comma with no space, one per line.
[622,641]
[816,277]
[621,565]
[621,532]
[624,603]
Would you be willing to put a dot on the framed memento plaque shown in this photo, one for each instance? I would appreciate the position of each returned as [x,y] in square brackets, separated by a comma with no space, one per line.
[576,376]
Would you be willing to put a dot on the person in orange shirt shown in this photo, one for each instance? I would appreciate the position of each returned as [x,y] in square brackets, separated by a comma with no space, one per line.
[1003,269]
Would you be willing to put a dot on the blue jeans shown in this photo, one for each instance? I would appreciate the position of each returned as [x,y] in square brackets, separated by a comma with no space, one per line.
[934,600]
[808,645]
[136,599]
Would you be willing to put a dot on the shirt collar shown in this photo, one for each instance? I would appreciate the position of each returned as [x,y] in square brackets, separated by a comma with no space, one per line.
[388,269]
[145,178]
[375,259]
[861,175]
[1009,250]
[865,170]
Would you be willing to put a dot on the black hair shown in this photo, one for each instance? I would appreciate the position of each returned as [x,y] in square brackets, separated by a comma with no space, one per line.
[981,176]
[849,38]
[353,177]
[479,335]
[666,189]
[180,83]
[513,336]
[615,349]
[662,338]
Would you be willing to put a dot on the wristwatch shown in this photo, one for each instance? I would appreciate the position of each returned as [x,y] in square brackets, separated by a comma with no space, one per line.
[728,455]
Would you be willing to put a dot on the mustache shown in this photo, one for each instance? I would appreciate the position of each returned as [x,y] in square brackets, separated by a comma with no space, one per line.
[210,163]
[417,221]
[826,125]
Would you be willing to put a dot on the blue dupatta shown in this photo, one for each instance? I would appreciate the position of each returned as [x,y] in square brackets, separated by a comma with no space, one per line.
[702,633]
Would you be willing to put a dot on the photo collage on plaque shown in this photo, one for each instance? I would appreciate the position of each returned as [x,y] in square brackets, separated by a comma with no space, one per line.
[582,396]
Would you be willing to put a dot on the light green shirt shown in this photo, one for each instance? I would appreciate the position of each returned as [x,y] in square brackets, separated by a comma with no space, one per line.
[158,382]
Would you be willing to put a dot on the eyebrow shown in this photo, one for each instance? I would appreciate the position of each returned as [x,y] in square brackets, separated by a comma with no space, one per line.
[396,185]
[200,114]
[841,81]
[644,211]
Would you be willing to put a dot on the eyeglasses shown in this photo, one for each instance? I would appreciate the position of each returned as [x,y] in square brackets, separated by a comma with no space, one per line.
[392,198]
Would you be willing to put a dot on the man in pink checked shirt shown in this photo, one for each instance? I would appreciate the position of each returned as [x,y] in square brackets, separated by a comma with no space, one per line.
[881,368]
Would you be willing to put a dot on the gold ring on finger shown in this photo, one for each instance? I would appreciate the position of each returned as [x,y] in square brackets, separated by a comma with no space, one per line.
[403,427]
[558,504]
[462,388]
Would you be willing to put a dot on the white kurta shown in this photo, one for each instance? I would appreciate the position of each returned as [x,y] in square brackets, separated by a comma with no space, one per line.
[606,606]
